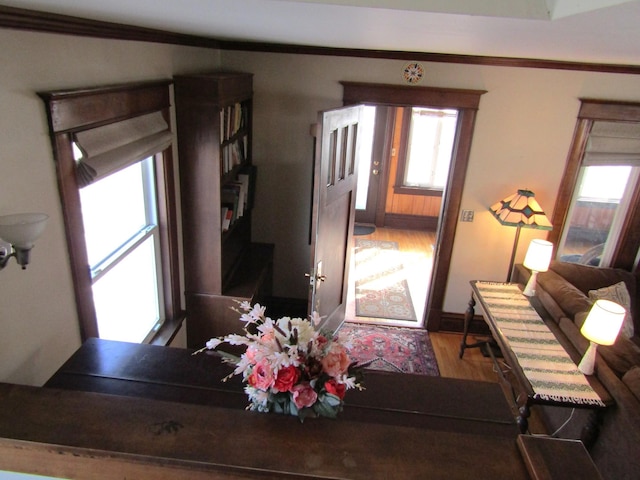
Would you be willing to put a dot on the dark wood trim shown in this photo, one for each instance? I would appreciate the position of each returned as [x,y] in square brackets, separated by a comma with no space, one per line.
[410,222]
[379,94]
[71,111]
[419,191]
[569,179]
[611,111]
[454,322]
[625,252]
[23,19]
[402,96]
[450,207]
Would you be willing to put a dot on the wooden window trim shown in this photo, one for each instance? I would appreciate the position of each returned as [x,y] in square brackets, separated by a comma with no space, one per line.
[467,103]
[76,110]
[399,186]
[591,110]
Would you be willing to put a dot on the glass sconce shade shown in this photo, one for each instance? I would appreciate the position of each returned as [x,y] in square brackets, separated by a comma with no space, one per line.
[22,230]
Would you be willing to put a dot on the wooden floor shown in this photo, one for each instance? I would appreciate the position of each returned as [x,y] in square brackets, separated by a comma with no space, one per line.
[473,366]
[416,248]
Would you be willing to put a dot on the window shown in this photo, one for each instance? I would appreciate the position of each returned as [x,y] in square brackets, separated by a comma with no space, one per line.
[597,216]
[424,163]
[122,236]
[116,183]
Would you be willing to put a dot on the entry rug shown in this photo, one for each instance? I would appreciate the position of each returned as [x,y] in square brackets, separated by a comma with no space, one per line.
[382,290]
[391,349]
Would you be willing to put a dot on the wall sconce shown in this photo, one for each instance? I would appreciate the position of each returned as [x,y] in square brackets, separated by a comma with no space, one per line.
[20,231]
[537,260]
[601,327]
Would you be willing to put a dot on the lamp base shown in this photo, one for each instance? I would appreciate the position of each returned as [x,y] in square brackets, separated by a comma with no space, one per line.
[588,360]
[530,289]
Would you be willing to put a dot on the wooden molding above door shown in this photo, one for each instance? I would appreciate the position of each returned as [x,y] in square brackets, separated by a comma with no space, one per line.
[467,103]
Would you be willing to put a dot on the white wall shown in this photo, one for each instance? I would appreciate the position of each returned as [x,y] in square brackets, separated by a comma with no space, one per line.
[38,321]
[523,132]
[526,118]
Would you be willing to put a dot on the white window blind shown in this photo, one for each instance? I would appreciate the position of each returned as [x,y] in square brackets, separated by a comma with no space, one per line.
[113,147]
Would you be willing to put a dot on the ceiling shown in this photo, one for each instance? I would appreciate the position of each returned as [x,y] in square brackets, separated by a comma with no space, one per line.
[591,31]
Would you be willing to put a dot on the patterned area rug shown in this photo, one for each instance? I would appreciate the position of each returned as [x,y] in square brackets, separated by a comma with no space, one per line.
[382,290]
[391,349]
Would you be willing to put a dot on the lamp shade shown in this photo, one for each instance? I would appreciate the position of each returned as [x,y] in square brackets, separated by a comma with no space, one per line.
[538,255]
[22,230]
[521,210]
[603,322]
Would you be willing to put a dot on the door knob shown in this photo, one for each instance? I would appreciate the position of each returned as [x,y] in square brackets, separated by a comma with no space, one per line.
[375,171]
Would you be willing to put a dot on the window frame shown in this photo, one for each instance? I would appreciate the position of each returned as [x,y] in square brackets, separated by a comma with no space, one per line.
[403,153]
[467,102]
[627,246]
[72,111]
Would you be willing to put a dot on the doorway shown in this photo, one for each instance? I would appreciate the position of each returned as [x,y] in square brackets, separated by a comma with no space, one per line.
[403,168]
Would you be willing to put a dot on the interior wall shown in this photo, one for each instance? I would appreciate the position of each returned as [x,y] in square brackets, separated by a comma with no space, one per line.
[38,322]
[523,132]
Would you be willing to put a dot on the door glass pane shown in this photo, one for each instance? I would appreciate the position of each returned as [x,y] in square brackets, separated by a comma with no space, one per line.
[113,211]
[593,213]
[126,298]
[367,124]
[431,137]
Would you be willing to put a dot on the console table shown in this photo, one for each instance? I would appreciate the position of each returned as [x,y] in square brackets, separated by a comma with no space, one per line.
[121,410]
[543,371]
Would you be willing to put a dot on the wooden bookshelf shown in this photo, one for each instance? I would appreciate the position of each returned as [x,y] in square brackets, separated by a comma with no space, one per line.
[217,183]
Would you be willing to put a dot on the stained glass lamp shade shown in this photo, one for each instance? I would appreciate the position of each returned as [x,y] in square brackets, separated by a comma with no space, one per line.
[520,210]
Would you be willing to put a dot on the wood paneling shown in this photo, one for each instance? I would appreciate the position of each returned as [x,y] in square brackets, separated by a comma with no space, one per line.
[415,205]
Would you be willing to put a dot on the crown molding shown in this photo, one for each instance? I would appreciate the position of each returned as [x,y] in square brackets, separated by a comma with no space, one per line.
[22,19]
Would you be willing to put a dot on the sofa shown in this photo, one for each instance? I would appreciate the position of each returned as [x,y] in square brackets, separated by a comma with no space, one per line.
[567,291]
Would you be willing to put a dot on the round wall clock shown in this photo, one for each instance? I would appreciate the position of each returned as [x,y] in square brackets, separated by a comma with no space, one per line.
[412,73]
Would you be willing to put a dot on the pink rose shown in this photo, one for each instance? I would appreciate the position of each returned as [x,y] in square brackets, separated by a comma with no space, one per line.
[261,376]
[304,395]
[336,362]
[286,378]
[335,388]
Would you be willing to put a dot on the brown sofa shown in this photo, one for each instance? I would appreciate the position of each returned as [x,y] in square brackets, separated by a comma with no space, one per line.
[564,291]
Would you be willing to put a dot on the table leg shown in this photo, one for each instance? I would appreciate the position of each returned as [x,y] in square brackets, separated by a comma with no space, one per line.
[468,316]
[523,418]
[591,429]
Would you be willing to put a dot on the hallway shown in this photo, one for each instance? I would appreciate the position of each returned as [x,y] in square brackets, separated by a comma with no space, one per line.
[416,249]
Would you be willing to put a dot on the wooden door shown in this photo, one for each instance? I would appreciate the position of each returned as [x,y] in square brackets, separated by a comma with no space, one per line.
[378,166]
[335,179]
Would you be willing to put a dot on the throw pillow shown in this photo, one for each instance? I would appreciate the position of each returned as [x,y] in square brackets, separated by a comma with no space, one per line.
[617,293]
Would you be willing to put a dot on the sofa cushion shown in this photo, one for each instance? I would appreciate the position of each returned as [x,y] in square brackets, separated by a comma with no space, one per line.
[619,294]
[570,299]
[586,277]
[632,380]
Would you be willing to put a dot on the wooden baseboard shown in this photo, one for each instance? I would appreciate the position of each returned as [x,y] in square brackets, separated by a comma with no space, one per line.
[454,322]
[410,222]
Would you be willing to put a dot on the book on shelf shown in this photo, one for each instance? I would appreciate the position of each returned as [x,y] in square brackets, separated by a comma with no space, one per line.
[226,216]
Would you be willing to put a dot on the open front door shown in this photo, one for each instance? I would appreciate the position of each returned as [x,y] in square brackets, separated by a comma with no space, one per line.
[335,179]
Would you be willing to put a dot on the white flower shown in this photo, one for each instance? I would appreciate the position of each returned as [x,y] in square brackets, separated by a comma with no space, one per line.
[316,318]
[213,343]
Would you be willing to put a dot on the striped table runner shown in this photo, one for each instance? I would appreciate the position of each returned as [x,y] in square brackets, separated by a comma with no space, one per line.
[547,366]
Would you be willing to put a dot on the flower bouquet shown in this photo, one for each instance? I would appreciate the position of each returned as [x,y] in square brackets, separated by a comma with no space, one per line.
[288,366]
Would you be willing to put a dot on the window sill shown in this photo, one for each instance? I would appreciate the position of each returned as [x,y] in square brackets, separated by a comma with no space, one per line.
[169,330]
[429,192]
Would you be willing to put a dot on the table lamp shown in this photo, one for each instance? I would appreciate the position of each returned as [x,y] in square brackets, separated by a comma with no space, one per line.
[537,260]
[520,210]
[601,327]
